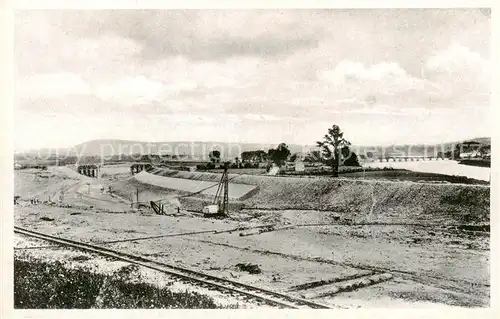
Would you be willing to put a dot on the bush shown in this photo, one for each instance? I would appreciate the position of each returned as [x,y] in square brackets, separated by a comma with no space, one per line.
[352,160]
[44,285]
[201,167]
[210,166]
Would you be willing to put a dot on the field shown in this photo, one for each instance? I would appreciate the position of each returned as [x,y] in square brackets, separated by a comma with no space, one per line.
[446,167]
[421,233]
[396,175]
[405,175]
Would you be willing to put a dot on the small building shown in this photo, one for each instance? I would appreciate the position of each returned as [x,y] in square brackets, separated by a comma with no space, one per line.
[263,164]
[299,166]
[211,209]
[485,150]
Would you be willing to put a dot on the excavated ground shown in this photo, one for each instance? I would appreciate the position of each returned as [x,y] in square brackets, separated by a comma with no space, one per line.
[432,261]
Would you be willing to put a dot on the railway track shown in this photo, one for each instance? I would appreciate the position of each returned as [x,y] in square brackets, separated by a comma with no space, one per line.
[261,295]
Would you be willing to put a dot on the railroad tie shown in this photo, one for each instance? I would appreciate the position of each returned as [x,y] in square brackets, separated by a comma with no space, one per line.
[346,286]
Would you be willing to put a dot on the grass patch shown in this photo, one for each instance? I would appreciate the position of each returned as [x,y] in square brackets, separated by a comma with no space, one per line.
[53,285]
[393,174]
[250,268]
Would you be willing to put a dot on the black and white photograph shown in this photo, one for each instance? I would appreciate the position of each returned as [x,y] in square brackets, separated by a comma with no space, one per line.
[335,158]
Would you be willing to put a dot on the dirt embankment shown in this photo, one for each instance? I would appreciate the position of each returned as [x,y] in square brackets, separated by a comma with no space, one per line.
[359,200]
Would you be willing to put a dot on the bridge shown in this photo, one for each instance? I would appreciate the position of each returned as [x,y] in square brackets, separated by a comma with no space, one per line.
[400,158]
[139,167]
[89,170]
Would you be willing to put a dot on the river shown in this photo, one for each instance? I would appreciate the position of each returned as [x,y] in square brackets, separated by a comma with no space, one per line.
[446,167]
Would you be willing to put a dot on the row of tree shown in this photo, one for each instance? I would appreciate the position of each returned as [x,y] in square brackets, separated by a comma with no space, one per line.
[277,155]
[334,151]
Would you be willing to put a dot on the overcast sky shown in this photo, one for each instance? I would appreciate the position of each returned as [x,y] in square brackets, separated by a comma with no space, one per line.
[265,76]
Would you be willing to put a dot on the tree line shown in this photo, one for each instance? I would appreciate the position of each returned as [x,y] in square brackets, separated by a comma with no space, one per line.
[334,150]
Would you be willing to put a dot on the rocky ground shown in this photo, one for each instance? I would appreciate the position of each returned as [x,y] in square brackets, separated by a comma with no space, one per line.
[430,266]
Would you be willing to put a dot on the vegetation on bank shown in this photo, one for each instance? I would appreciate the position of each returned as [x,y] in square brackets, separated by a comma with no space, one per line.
[335,150]
[481,162]
[213,166]
[53,285]
[390,173]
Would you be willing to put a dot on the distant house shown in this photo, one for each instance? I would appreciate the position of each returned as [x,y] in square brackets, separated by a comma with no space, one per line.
[484,151]
[299,166]
[263,164]
[470,149]
[289,166]
[298,163]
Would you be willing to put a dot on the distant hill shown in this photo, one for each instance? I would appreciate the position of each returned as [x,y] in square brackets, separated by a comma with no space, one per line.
[482,140]
[187,149]
[417,149]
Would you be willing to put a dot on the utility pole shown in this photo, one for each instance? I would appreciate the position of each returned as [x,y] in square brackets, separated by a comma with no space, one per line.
[223,190]
[137,195]
[225,202]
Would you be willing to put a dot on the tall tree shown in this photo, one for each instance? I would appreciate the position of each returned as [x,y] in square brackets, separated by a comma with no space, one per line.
[254,156]
[280,154]
[349,158]
[313,156]
[331,146]
[214,156]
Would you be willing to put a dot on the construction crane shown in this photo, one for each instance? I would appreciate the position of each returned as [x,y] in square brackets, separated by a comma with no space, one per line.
[220,208]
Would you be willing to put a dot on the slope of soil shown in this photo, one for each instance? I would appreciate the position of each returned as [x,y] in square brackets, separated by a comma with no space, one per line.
[441,265]
[206,188]
[359,200]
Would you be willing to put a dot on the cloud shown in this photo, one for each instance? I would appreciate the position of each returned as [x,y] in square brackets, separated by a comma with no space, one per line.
[346,71]
[51,85]
[462,75]
[43,46]
[378,109]
[198,34]
[455,76]
[356,85]
[132,90]
[253,68]
[456,57]
[415,112]
[262,117]
[81,105]
[384,77]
